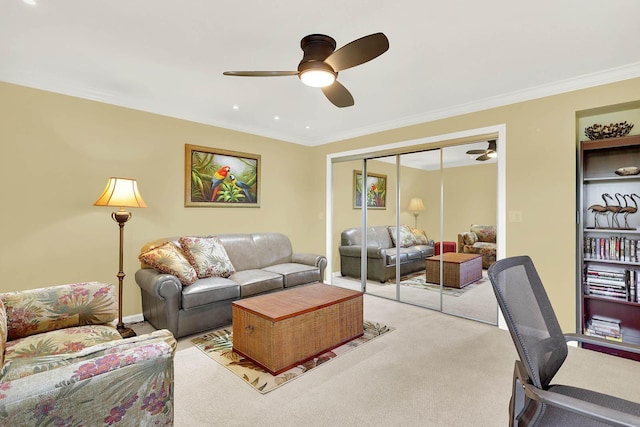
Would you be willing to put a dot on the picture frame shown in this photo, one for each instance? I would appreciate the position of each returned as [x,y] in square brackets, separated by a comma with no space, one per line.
[377,190]
[220,178]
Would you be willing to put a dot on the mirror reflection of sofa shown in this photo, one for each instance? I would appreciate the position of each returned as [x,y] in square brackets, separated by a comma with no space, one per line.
[382,252]
[480,240]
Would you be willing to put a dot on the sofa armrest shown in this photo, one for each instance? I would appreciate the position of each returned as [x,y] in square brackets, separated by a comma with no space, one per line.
[319,261]
[131,378]
[160,285]
[34,311]
[310,259]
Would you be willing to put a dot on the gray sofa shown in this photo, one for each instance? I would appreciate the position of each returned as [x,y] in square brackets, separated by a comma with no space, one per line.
[382,254]
[263,262]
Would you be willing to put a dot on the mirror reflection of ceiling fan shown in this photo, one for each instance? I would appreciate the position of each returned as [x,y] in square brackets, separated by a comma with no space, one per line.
[322,62]
[490,153]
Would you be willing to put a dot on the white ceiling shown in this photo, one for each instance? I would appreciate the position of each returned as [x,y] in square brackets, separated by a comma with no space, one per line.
[445,58]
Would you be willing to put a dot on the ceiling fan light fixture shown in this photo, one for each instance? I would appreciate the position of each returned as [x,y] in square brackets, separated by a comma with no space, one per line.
[317,78]
[492,154]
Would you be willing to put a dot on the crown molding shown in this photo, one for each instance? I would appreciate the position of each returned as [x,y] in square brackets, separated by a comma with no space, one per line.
[49,83]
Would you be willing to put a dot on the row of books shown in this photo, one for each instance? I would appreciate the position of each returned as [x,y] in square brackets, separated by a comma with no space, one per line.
[613,284]
[612,248]
[604,327]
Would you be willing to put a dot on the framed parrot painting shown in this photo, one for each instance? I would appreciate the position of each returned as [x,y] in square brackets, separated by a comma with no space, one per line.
[376,190]
[220,178]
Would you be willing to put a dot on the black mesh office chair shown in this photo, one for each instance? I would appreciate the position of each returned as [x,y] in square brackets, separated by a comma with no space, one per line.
[542,349]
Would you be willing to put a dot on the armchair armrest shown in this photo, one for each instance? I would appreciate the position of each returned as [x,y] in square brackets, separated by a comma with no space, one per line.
[632,348]
[591,410]
[131,378]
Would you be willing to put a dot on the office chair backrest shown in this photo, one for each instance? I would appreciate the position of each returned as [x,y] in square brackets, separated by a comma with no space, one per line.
[530,317]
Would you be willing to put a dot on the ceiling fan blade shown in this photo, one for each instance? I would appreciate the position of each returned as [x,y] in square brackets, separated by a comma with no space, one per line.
[483,158]
[260,73]
[476,151]
[358,52]
[338,95]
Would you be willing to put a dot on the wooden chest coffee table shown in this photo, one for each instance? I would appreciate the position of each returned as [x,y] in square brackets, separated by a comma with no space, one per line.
[282,329]
[458,270]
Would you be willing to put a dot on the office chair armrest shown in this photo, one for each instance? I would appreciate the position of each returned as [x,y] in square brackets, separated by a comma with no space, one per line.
[632,348]
[590,410]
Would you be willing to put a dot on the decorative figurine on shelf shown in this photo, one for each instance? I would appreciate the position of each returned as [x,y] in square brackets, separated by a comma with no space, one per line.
[601,210]
[629,209]
[614,209]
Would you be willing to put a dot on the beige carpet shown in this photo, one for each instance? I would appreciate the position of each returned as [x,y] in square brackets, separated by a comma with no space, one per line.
[218,345]
[432,370]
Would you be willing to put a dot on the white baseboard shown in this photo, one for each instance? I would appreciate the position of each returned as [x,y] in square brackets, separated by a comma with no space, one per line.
[133,319]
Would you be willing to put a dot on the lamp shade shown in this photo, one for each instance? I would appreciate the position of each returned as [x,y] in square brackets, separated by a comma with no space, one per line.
[121,192]
[416,205]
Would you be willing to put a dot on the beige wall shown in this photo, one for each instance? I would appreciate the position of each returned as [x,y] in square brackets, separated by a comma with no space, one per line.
[58,151]
[540,175]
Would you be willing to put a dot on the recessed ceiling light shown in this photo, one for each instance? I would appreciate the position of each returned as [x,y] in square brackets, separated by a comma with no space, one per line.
[276,117]
[30,2]
[307,127]
[235,107]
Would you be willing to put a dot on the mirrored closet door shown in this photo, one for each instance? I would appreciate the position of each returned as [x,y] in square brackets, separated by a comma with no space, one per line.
[417,205]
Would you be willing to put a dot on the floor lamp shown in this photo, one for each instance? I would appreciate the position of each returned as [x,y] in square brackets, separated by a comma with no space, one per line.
[121,193]
[416,206]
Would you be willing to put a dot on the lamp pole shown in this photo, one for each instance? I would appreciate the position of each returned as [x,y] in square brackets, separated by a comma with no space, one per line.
[121,217]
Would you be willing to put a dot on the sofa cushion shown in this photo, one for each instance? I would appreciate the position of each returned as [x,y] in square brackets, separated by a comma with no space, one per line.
[253,282]
[168,258]
[272,248]
[425,250]
[208,290]
[207,256]
[3,332]
[485,233]
[392,255]
[295,274]
[412,253]
[406,238]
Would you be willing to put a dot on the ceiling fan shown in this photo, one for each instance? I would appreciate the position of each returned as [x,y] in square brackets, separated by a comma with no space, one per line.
[487,154]
[321,63]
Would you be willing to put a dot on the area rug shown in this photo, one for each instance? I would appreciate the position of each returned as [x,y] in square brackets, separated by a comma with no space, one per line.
[218,346]
[418,280]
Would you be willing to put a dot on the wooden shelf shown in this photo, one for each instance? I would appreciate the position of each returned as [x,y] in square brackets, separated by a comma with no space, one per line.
[599,159]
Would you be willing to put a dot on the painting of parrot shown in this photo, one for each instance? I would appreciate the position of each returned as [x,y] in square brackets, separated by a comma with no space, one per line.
[216,180]
[243,186]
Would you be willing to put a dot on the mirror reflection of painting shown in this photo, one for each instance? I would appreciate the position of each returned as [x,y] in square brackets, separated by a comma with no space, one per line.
[220,178]
[376,190]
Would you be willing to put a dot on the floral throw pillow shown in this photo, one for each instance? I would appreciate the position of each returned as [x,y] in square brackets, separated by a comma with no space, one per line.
[3,332]
[208,256]
[419,236]
[168,258]
[406,237]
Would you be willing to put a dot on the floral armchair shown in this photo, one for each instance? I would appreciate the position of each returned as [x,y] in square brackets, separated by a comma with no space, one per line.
[481,240]
[62,362]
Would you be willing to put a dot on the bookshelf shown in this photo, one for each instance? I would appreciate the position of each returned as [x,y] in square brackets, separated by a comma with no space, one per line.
[609,241]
